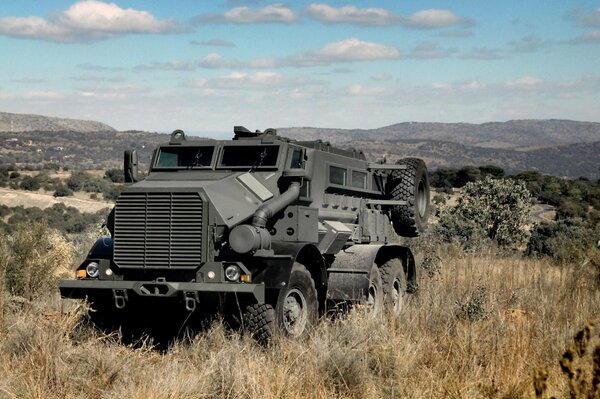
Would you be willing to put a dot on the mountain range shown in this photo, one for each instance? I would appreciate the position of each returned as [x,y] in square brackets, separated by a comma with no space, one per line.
[560,147]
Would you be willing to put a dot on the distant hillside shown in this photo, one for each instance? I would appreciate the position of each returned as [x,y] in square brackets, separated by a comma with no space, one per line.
[101,150]
[562,148]
[516,134]
[28,123]
[571,160]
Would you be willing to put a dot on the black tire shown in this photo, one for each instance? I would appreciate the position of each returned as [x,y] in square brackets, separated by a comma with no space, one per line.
[297,307]
[374,295]
[410,185]
[259,322]
[394,284]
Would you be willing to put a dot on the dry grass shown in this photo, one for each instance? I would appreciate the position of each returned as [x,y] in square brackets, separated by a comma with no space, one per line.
[483,327]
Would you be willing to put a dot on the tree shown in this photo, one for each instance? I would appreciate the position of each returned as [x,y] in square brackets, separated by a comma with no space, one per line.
[497,209]
[467,174]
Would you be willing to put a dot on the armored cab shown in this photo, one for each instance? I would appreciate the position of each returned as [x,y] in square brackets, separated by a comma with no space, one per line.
[273,229]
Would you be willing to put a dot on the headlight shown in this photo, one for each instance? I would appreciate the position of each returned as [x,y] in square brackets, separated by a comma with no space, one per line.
[232,272]
[92,269]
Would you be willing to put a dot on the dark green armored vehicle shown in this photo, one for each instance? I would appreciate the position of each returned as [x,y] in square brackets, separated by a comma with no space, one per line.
[273,230]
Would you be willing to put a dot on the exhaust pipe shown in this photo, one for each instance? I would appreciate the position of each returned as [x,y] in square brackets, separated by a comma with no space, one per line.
[247,238]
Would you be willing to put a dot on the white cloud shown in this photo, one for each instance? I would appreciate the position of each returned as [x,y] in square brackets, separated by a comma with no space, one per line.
[472,85]
[42,95]
[440,86]
[589,19]
[456,33]
[360,90]
[167,66]
[381,77]
[278,13]
[435,18]
[212,61]
[482,53]
[352,15]
[524,82]
[86,20]
[589,37]
[528,44]
[429,50]
[425,19]
[213,42]
[261,81]
[348,50]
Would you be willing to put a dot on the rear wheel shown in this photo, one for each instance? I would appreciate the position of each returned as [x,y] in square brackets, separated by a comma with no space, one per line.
[374,294]
[394,284]
[297,307]
[412,186]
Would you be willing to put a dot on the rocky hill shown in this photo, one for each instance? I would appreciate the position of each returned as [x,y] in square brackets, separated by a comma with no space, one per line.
[516,134]
[28,123]
[558,147]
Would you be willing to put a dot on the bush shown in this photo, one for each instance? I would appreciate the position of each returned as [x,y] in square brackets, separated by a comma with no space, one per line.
[115,175]
[492,209]
[31,258]
[30,183]
[62,191]
[112,193]
[569,240]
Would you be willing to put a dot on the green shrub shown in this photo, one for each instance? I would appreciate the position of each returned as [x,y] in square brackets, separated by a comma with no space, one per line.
[492,209]
[115,175]
[569,240]
[31,259]
[30,183]
[63,191]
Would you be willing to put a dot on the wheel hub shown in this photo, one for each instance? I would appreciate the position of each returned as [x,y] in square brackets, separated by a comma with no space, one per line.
[294,312]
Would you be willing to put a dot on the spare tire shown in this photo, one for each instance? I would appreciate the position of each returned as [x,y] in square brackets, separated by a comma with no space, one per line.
[410,185]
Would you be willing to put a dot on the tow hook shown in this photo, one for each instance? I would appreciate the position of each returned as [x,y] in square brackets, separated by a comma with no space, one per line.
[120,297]
[191,299]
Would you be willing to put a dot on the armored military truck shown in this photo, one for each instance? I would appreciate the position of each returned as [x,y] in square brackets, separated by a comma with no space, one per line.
[272,229]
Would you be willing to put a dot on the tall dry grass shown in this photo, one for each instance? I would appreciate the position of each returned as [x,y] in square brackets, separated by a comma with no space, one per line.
[482,327]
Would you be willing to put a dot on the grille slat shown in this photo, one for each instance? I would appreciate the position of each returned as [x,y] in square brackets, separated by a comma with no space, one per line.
[158,230]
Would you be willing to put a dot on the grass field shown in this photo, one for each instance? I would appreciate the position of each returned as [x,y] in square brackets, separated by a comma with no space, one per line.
[484,326]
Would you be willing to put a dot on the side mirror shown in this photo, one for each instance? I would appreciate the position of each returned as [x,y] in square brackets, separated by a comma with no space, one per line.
[130,166]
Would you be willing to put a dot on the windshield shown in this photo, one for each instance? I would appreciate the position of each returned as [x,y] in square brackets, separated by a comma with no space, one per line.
[249,156]
[184,157]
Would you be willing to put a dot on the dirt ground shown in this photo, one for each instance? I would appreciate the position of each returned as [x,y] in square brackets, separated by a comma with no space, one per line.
[27,199]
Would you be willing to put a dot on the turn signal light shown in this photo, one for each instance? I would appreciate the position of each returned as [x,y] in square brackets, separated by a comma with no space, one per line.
[245,278]
[81,274]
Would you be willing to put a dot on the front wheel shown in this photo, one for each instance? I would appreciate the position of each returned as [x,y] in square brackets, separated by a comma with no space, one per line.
[297,306]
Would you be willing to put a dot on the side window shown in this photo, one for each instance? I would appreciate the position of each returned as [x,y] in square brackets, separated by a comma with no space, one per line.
[359,179]
[305,189]
[296,162]
[337,175]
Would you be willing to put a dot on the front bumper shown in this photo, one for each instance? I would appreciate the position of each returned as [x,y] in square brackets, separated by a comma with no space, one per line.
[122,291]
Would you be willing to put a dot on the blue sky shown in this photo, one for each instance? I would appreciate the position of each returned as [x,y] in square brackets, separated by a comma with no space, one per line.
[204,67]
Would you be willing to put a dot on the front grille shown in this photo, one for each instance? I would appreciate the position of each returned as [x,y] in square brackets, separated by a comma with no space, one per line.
[158,230]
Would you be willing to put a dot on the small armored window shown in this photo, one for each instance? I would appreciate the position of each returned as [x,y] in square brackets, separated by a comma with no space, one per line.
[305,189]
[359,179]
[296,159]
[337,175]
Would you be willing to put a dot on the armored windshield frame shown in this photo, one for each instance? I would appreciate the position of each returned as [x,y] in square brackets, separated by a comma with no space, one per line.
[271,160]
[206,161]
